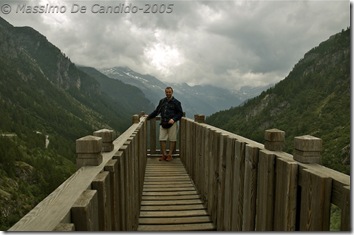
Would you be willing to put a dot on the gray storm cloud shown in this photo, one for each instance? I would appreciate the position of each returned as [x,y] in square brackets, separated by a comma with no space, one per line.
[224,43]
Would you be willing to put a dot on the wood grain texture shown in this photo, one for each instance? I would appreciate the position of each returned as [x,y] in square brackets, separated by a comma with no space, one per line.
[55,207]
[170,201]
[250,188]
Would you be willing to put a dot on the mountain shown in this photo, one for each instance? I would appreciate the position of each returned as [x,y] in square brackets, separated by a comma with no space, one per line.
[149,85]
[130,99]
[313,99]
[45,98]
[248,92]
[199,99]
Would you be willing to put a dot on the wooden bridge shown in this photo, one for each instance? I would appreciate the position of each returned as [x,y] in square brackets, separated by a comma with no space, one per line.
[217,181]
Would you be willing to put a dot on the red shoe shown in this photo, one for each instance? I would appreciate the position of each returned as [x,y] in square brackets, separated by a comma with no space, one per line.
[169,158]
[162,158]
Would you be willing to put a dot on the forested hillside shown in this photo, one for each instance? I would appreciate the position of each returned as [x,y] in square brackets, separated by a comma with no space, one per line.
[46,103]
[313,99]
[124,95]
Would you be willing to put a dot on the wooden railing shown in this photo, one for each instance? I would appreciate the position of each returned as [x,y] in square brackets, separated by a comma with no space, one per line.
[104,194]
[248,186]
[153,144]
[245,185]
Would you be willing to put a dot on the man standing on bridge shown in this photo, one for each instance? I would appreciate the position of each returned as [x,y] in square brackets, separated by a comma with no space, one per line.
[171,112]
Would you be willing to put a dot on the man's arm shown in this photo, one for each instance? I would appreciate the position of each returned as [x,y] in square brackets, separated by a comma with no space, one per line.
[155,112]
[179,112]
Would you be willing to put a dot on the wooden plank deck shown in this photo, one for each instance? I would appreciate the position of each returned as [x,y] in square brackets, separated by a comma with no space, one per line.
[170,201]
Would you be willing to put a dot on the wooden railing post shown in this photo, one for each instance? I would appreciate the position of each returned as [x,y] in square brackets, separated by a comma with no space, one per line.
[265,191]
[102,184]
[107,139]
[84,212]
[200,118]
[121,187]
[250,188]
[88,151]
[315,186]
[152,135]
[274,139]
[238,180]
[286,191]
[307,149]
[346,209]
[112,167]
[135,118]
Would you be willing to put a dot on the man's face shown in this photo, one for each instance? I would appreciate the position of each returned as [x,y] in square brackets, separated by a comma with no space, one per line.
[168,93]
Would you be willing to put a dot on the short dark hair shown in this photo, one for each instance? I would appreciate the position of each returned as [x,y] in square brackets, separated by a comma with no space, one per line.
[169,88]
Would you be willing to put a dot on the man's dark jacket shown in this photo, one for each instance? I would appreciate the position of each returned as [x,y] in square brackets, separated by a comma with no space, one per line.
[168,109]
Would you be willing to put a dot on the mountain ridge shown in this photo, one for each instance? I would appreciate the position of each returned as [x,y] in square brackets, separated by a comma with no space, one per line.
[198,99]
[313,99]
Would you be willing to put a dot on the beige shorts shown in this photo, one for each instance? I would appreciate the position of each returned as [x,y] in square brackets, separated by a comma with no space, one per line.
[168,134]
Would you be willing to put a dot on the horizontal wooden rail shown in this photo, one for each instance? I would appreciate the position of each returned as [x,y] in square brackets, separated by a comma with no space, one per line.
[102,197]
[247,187]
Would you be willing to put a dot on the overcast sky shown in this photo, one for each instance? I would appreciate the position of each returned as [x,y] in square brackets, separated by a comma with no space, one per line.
[224,43]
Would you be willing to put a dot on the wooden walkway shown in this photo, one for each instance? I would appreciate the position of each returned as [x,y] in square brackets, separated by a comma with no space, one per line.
[170,201]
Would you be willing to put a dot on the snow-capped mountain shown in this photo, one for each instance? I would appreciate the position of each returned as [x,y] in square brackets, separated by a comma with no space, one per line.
[199,99]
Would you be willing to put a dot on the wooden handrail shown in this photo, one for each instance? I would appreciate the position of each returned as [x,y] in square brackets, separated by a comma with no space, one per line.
[56,209]
[247,187]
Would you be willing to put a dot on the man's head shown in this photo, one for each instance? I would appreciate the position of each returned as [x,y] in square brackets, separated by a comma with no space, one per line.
[168,92]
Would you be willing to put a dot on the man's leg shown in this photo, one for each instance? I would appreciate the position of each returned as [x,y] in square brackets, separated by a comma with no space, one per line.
[172,136]
[163,150]
[172,147]
[163,139]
